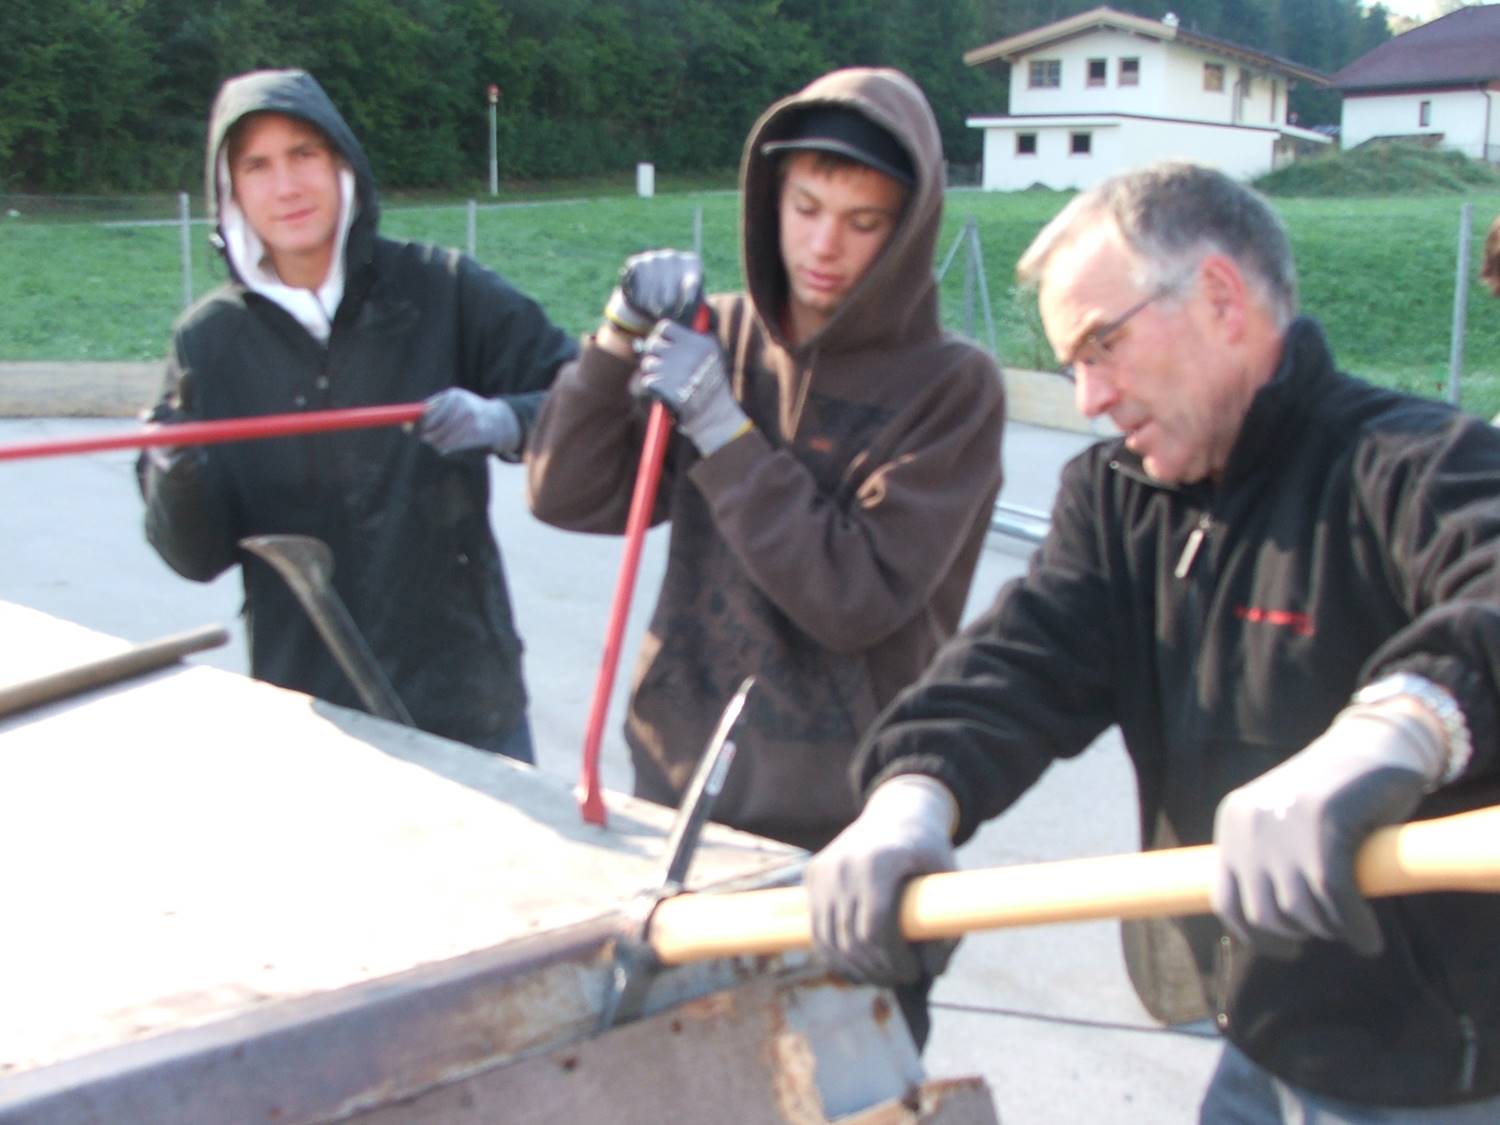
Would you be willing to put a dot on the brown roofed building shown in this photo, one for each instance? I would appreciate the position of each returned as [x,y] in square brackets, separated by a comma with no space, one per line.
[1438,84]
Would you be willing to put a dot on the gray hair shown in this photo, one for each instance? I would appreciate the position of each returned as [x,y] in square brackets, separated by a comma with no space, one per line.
[1171,215]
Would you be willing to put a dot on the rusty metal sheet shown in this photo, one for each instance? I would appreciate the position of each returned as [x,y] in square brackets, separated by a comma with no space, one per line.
[944,1101]
[241,905]
[793,1048]
[333,1057]
[201,849]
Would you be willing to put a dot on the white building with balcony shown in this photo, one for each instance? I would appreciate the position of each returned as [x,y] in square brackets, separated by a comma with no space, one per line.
[1103,91]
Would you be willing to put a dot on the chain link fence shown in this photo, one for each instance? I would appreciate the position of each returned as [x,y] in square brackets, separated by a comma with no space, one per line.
[102,277]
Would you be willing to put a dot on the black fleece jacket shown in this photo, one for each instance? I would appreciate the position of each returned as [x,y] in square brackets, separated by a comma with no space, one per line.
[416,562]
[1356,532]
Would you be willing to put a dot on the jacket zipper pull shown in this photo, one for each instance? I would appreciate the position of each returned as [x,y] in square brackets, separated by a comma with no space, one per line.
[1190,551]
[1470,1057]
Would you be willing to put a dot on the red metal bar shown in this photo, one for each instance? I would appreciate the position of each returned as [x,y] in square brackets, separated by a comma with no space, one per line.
[642,500]
[227,429]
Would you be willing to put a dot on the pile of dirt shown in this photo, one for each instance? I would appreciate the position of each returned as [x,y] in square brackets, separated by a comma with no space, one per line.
[1387,168]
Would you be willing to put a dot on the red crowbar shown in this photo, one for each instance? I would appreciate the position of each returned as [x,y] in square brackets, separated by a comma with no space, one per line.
[227,429]
[642,500]
[653,453]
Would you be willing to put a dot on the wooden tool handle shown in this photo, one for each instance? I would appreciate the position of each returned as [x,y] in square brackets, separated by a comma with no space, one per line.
[1454,853]
[134,661]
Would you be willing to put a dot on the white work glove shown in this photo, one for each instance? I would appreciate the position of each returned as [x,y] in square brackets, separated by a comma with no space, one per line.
[854,885]
[654,286]
[456,419]
[685,370]
[1288,840]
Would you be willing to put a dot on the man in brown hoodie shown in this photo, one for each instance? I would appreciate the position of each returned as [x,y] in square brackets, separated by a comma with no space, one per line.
[835,462]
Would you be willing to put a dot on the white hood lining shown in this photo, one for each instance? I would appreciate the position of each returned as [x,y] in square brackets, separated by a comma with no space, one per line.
[314,310]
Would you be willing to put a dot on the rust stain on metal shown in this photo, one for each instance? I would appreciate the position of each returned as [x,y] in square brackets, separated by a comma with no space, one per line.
[793,1068]
[954,1100]
[716,1005]
[518,999]
[757,966]
[880,1009]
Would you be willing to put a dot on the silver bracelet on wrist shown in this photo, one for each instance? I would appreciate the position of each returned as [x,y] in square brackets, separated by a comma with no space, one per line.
[1458,748]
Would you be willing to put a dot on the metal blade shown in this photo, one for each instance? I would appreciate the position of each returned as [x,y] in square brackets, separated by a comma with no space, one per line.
[306,564]
[635,964]
[702,791]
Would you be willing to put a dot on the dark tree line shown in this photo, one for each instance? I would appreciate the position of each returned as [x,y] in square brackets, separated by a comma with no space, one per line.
[100,95]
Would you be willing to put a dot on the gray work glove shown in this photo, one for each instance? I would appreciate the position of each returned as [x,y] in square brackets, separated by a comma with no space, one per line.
[1288,840]
[854,885]
[654,286]
[685,370]
[456,419]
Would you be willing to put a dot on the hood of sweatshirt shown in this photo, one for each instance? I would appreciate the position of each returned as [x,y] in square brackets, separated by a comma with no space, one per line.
[292,93]
[895,303]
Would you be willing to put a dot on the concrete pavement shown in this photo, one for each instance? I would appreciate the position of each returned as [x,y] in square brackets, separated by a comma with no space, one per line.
[1045,1014]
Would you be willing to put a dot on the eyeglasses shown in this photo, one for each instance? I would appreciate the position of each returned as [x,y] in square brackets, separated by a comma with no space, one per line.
[1095,348]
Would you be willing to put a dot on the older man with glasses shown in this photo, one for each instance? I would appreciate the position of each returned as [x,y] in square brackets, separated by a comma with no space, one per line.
[1283,584]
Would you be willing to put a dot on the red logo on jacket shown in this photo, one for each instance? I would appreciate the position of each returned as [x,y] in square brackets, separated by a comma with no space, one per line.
[1299,623]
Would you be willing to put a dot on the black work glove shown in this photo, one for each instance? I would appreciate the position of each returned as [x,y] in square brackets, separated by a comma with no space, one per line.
[685,370]
[456,419]
[172,459]
[654,286]
[1288,840]
[854,885]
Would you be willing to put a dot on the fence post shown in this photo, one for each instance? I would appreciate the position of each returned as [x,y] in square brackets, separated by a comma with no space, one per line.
[967,240]
[971,270]
[1460,302]
[185,224]
[942,270]
[977,256]
[473,233]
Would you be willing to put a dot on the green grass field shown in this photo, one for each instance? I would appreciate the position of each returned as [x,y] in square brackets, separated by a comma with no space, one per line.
[1378,272]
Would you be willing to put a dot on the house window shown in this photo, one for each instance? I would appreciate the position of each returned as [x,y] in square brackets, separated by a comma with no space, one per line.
[1213,77]
[1424,114]
[1130,72]
[1098,71]
[1081,144]
[1025,144]
[1045,72]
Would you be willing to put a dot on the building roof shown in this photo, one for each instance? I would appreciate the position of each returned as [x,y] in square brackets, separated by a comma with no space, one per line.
[1459,49]
[1168,30]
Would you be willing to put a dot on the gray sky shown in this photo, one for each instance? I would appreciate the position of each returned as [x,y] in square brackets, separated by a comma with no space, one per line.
[1420,9]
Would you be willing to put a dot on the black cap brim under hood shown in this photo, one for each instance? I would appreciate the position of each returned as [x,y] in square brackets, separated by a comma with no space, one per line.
[895,303]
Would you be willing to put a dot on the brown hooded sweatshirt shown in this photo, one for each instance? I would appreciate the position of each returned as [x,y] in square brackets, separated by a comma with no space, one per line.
[829,550]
